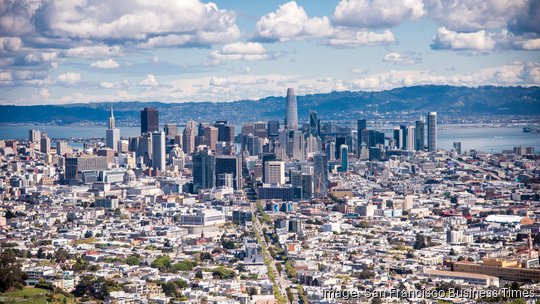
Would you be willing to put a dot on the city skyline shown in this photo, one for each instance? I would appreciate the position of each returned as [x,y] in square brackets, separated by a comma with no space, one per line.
[142,52]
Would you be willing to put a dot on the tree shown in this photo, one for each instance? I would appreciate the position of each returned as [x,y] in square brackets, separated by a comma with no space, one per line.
[133,260]
[11,275]
[421,241]
[279,268]
[228,244]
[88,234]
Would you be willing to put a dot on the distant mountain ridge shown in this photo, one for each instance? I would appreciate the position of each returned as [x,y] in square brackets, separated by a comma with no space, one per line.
[335,105]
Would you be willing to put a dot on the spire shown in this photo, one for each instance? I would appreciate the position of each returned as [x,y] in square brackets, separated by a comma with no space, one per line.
[111,118]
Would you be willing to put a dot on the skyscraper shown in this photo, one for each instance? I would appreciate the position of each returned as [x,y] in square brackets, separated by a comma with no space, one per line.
[112,134]
[273,128]
[45,143]
[188,140]
[158,150]
[361,126]
[171,130]
[314,124]
[230,164]
[291,120]
[419,135]
[320,172]
[34,135]
[432,131]
[204,170]
[149,120]
[410,143]
[274,172]
[344,152]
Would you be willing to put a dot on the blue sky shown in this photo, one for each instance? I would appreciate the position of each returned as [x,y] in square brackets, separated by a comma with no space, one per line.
[174,51]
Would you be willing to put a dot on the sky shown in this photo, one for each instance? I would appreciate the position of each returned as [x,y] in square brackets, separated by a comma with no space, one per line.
[72,51]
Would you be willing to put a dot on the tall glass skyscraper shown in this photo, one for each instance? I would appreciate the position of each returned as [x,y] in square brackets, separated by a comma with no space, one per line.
[149,120]
[432,131]
[204,170]
[344,151]
[419,135]
[320,172]
[291,120]
[158,151]
[314,124]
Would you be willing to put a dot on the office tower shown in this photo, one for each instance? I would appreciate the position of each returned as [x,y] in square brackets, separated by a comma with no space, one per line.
[204,169]
[145,148]
[61,147]
[210,136]
[410,144]
[149,120]
[274,172]
[295,146]
[291,119]
[225,180]
[457,147]
[45,146]
[303,181]
[273,128]
[171,130]
[419,135]
[340,140]
[344,154]
[112,134]
[361,125]
[260,129]
[266,158]
[397,138]
[320,172]
[34,135]
[225,131]
[432,131]
[190,124]
[75,165]
[403,139]
[158,151]
[331,151]
[314,124]
[375,138]
[252,145]
[230,164]
[188,140]
[133,144]
[313,144]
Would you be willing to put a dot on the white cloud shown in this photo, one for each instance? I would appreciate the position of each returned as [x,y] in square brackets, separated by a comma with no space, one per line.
[10,44]
[38,57]
[149,81]
[105,64]
[402,58]
[355,38]
[115,85]
[248,51]
[95,51]
[291,22]
[153,22]
[448,39]
[44,93]
[376,13]
[69,78]
[474,15]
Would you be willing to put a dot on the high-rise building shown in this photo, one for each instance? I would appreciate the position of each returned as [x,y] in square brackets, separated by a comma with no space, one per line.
[230,164]
[419,135]
[344,153]
[457,147]
[361,126]
[61,147]
[45,143]
[432,131]
[273,128]
[225,131]
[74,165]
[397,138]
[204,169]
[158,151]
[210,136]
[291,119]
[410,143]
[171,130]
[314,124]
[112,134]
[188,140]
[274,172]
[403,139]
[145,148]
[34,135]
[320,174]
[149,120]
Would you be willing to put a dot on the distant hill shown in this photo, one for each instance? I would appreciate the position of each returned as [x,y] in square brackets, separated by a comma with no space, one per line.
[335,105]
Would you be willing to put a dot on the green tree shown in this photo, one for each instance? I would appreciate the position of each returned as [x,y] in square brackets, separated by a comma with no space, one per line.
[11,275]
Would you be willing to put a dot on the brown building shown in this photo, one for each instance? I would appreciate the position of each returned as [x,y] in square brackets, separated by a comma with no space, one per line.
[509,270]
